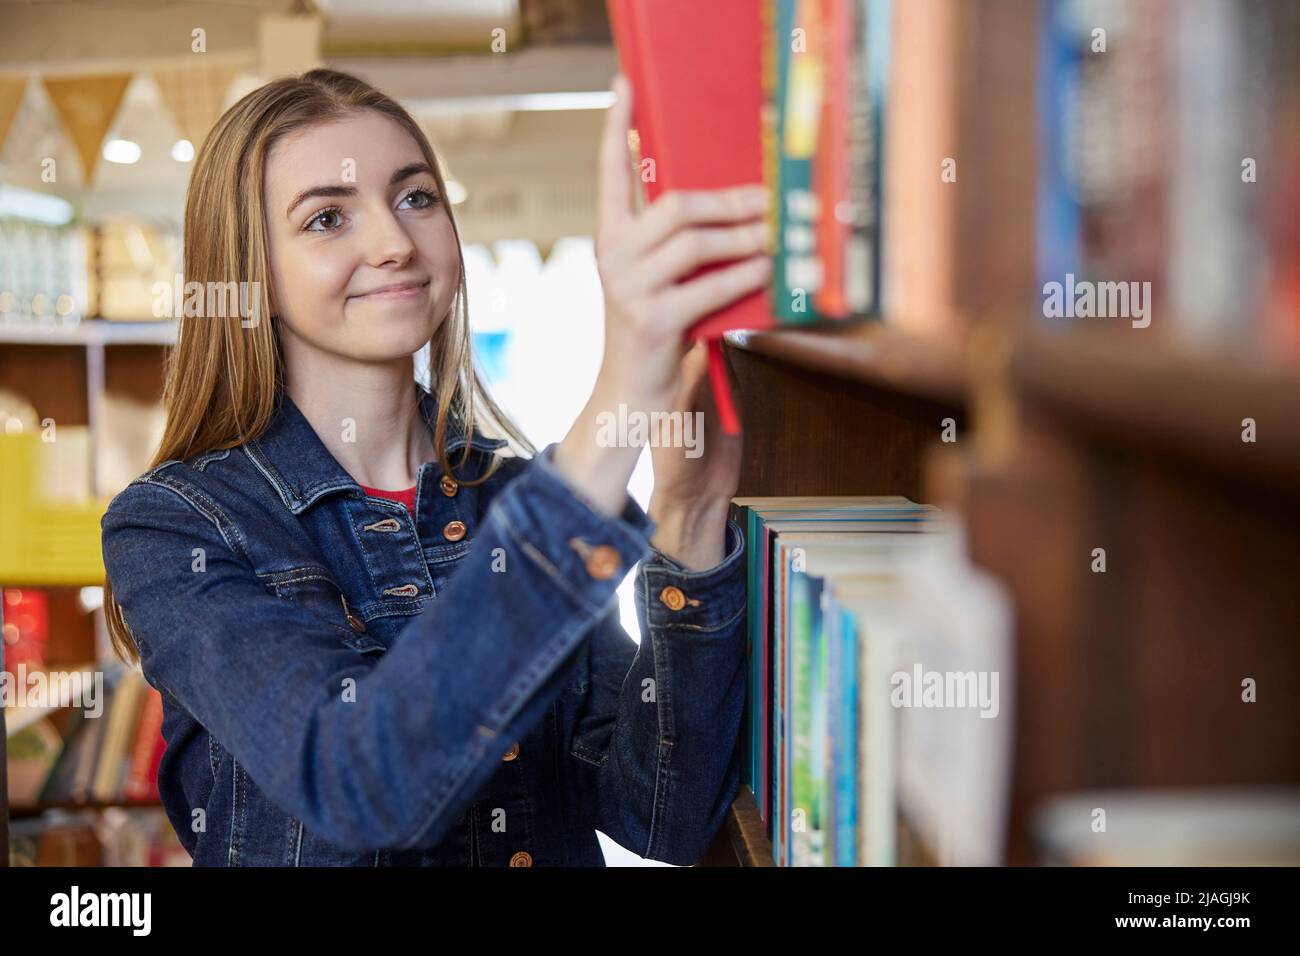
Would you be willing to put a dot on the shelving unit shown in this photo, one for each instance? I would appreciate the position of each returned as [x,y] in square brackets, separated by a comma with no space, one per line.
[1104,444]
[66,369]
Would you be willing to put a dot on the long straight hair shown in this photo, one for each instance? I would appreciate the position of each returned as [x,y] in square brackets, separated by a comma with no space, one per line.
[223,381]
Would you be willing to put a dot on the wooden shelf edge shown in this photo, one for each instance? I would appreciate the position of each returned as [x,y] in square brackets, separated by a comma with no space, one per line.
[876,354]
[1157,399]
[745,830]
[19,811]
[89,331]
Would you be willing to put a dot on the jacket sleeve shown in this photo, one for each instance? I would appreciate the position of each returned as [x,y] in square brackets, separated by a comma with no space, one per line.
[655,759]
[394,762]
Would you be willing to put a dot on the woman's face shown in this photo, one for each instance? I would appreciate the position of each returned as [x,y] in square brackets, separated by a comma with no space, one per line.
[364,261]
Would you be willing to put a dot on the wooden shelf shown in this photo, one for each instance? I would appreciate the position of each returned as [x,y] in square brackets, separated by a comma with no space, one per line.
[1158,400]
[34,810]
[875,354]
[87,332]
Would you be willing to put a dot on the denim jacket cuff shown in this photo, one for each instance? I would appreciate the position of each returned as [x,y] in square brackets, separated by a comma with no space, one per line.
[676,596]
[586,549]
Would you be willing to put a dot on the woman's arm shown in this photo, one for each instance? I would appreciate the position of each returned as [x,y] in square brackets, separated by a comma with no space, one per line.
[653,760]
[395,762]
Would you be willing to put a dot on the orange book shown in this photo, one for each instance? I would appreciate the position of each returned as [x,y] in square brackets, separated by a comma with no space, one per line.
[921,208]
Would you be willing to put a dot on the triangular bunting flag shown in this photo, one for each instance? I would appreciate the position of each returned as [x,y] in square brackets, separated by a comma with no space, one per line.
[195,96]
[87,105]
[12,89]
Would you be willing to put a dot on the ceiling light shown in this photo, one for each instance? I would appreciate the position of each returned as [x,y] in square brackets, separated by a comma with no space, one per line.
[124,151]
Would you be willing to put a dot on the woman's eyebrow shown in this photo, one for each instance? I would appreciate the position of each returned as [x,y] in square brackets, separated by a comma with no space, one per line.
[316,191]
[410,169]
[407,171]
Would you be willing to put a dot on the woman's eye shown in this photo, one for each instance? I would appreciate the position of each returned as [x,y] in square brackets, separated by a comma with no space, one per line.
[423,198]
[327,218]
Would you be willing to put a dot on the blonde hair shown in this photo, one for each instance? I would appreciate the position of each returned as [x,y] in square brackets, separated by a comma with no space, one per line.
[223,380]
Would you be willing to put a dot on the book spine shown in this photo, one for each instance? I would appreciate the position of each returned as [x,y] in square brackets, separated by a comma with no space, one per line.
[1283,320]
[846,808]
[138,782]
[772,42]
[831,160]
[740,515]
[867,252]
[1058,222]
[834,728]
[817,706]
[801,78]
[780,613]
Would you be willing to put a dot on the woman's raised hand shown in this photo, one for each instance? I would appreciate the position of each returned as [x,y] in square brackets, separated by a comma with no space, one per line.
[642,258]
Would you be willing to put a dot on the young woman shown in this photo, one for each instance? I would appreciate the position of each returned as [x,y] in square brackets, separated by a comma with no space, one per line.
[370,653]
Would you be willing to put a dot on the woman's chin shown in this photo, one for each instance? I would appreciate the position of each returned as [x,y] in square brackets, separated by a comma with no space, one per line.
[396,333]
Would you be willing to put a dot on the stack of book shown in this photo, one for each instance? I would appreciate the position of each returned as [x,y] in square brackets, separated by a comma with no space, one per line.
[108,755]
[1168,156]
[879,683]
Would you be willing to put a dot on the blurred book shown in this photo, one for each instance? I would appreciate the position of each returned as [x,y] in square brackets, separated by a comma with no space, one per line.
[879,683]
[33,752]
[130,432]
[1168,158]
[1226,826]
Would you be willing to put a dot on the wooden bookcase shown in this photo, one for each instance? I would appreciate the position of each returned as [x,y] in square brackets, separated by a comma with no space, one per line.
[1130,678]
[1102,436]
[65,373]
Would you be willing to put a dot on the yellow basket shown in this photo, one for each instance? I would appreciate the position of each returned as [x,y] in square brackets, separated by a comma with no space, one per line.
[42,542]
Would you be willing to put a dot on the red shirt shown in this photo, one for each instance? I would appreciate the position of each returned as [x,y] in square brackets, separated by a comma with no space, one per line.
[406,497]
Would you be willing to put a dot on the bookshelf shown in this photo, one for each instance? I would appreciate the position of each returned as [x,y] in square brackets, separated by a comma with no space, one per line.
[1068,439]
[66,370]
[1129,678]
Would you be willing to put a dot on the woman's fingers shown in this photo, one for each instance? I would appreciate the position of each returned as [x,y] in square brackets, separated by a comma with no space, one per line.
[688,249]
[684,304]
[679,208]
[616,202]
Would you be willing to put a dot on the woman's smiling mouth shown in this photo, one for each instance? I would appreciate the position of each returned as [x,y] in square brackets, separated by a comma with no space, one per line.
[399,290]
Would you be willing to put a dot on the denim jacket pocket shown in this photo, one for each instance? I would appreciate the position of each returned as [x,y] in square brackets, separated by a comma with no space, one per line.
[315,588]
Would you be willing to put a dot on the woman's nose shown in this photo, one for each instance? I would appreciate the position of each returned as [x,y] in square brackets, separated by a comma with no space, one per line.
[387,240]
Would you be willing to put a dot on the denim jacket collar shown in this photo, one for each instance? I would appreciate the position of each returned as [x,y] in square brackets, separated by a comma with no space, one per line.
[302,470]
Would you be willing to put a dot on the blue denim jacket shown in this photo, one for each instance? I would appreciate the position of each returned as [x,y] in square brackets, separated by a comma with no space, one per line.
[345,686]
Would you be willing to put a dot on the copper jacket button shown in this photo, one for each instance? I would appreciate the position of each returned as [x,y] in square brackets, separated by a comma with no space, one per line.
[522,858]
[454,531]
[602,562]
[448,486]
[512,753]
[673,597]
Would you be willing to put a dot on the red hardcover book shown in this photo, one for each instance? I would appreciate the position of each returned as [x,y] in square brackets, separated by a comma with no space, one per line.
[142,774]
[696,75]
